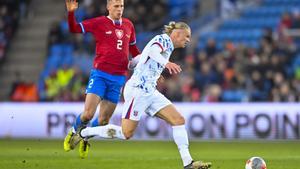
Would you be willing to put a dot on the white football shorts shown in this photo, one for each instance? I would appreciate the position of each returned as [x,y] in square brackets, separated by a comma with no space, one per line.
[137,101]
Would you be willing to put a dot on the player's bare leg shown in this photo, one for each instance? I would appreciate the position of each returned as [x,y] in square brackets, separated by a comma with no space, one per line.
[91,103]
[106,109]
[174,118]
[128,127]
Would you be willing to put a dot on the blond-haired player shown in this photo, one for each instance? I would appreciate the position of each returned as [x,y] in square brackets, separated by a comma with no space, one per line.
[141,95]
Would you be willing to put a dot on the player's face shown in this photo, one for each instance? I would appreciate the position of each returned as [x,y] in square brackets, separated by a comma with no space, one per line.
[182,38]
[115,9]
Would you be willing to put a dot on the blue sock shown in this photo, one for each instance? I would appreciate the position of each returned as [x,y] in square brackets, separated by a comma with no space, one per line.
[78,123]
[95,123]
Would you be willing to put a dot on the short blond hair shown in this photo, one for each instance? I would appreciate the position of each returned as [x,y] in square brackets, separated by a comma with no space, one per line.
[108,1]
[175,25]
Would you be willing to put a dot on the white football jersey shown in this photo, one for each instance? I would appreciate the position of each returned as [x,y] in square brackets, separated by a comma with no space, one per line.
[148,71]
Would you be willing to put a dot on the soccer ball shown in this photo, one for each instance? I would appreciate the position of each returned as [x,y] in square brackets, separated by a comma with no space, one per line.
[256,163]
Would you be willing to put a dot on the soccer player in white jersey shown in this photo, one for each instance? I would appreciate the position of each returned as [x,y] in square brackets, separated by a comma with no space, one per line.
[141,95]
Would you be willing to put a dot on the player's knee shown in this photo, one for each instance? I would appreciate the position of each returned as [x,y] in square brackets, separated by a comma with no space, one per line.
[128,134]
[179,121]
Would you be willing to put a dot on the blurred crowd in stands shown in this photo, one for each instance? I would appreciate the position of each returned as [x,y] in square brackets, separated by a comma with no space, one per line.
[70,56]
[238,74]
[231,73]
[10,13]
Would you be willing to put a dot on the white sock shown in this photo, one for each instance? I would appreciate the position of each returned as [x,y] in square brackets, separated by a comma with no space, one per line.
[95,131]
[119,132]
[102,131]
[181,139]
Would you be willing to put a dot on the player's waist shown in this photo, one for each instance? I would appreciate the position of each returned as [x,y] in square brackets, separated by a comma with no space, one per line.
[111,68]
[105,75]
[147,86]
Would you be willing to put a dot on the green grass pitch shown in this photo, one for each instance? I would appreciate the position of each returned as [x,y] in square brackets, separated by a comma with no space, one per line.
[49,154]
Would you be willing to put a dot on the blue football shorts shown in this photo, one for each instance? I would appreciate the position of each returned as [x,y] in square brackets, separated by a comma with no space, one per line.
[105,85]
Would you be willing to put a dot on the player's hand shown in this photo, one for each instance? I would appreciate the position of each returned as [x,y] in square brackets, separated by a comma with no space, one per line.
[72,5]
[131,65]
[173,68]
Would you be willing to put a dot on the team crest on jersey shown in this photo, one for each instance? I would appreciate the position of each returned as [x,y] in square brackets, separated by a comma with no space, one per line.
[119,33]
[135,113]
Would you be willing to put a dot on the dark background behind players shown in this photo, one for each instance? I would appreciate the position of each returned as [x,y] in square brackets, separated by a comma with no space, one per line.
[222,65]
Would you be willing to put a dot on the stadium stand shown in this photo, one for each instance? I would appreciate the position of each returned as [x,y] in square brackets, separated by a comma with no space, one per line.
[259,57]
[249,57]
[10,12]
[28,48]
[75,52]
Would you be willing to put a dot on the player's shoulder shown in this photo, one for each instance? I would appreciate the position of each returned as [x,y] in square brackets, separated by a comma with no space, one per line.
[102,18]
[161,37]
[164,41]
[97,19]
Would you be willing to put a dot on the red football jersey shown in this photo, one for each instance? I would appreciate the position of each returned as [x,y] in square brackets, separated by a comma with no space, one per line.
[112,43]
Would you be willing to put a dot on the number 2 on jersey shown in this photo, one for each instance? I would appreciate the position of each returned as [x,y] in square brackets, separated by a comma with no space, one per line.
[119,44]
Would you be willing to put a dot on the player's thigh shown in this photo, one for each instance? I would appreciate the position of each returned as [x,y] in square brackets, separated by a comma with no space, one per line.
[164,109]
[135,103]
[106,110]
[128,127]
[90,105]
[171,115]
[114,88]
[158,101]
[96,84]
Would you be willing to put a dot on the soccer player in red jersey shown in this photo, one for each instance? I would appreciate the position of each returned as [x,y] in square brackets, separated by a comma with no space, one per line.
[115,38]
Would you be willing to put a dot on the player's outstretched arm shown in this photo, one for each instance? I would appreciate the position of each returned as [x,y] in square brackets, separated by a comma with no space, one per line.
[74,27]
[71,5]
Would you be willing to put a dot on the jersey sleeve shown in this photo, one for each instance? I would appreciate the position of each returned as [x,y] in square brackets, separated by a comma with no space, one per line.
[88,25]
[155,54]
[159,41]
[134,50]
[73,25]
[132,40]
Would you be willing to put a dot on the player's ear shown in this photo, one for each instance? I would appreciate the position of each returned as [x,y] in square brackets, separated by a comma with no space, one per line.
[176,32]
[108,4]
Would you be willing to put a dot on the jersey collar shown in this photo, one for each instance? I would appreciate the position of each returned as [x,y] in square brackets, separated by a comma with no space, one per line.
[113,21]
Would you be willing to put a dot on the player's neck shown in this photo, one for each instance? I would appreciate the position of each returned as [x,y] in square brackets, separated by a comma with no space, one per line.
[173,41]
[119,20]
